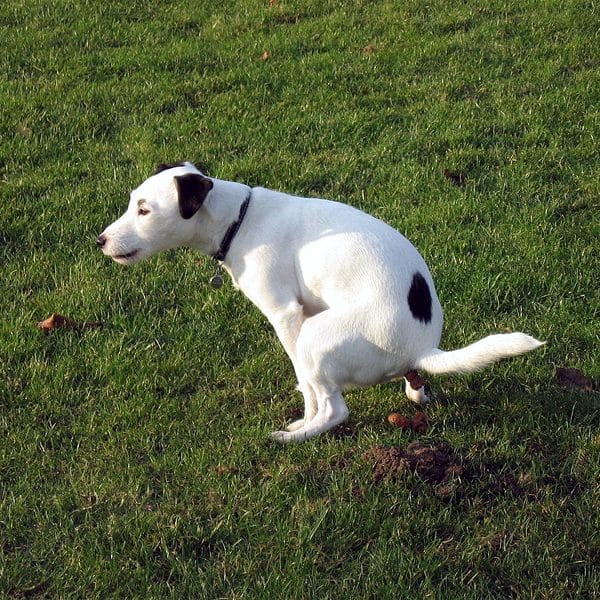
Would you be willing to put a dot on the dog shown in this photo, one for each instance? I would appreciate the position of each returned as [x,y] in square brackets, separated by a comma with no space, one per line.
[350,298]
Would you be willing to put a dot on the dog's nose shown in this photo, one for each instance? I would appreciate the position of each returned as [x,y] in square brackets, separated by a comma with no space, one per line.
[101,240]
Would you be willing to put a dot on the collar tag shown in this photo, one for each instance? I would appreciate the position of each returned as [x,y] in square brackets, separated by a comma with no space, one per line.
[216,281]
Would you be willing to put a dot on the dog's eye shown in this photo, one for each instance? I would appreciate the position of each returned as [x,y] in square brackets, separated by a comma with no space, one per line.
[143,211]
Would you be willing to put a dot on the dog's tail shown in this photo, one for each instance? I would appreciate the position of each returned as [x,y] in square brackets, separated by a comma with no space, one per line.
[478,355]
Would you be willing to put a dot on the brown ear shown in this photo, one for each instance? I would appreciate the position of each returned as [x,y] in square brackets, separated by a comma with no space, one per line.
[192,189]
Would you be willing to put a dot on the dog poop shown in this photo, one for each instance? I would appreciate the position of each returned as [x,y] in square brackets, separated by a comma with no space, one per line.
[398,420]
[418,423]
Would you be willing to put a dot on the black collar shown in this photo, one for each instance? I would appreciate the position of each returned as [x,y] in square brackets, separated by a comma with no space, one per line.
[231,232]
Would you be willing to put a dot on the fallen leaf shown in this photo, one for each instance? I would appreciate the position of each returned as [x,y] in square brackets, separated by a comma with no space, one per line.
[370,49]
[266,55]
[24,131]
[56,321]
[569,377]
[457,178]
[225,470]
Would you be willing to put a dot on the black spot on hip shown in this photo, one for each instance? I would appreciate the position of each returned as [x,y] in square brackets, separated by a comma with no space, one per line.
[419,298]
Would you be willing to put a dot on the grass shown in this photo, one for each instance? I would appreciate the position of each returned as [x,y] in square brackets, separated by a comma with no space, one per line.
[134,459]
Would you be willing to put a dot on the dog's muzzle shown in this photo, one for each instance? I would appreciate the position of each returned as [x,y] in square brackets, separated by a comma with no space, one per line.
[101,242]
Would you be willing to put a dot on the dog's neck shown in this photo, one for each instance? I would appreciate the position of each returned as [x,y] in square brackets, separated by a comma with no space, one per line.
[220,211]
[232,230]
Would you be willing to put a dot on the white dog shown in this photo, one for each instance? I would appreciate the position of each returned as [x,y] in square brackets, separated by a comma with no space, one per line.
[350,298]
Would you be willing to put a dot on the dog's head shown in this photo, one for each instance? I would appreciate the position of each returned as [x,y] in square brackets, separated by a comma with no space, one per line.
[159,215]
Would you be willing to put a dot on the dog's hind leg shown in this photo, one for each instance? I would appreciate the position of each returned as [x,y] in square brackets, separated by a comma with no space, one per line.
[415,388]
[332,411]
[417,396]
[310,406]
[322,369]
[287,322]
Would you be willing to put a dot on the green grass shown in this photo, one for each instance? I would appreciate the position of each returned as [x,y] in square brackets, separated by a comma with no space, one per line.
[134,459]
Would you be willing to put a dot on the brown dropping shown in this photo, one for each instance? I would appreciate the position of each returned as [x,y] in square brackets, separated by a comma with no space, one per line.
[400,421]
[418,423]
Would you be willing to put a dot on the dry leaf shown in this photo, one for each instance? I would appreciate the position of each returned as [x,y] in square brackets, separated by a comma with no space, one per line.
[24,131]
[569,377]
[266,55]
[225,470]
[370,49]
[56,321]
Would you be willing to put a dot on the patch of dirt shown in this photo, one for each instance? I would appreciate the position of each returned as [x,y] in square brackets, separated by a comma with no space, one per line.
[455,477]
[434,464]
[571,378]
[458,178]
[502,484]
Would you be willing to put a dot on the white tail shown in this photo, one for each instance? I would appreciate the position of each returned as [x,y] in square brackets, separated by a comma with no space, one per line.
[478,355]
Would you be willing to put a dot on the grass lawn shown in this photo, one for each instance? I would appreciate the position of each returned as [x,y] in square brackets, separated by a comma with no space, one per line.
[135,460]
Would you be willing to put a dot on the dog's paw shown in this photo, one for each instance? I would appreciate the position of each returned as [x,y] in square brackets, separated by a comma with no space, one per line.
[417,396]
[282,437]
[295,425]
[423,399]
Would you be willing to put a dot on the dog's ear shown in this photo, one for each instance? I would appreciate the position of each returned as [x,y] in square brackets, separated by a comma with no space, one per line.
[192,189]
